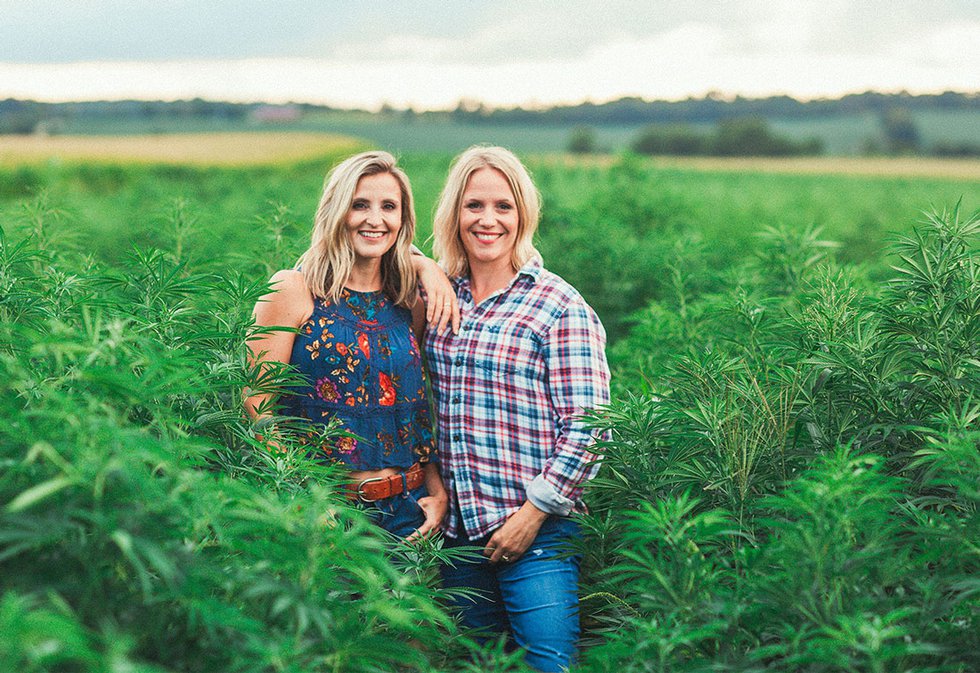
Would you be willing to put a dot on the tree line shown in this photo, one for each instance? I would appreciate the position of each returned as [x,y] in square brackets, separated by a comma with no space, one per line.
[713,108]
[23,116]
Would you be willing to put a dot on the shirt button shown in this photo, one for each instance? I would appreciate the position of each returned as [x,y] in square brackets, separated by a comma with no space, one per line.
[457,438]
[466,327]
[455,399]
[459,360]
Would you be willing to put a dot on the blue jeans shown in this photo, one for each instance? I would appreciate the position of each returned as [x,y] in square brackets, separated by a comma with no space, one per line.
[400,514]
[535,598]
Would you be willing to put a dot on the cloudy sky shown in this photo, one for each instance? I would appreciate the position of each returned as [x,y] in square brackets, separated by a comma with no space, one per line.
[432,53]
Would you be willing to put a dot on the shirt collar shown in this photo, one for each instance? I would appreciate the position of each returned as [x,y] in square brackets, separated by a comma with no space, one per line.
[531,270]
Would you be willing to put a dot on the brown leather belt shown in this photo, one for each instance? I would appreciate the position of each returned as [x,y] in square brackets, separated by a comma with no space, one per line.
[379,488]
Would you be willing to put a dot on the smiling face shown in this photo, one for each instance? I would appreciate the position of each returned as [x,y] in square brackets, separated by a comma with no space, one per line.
[375,216]
[488,220]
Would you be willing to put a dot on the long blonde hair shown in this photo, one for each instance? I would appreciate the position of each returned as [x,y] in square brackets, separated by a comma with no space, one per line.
[447,245]
[327,263]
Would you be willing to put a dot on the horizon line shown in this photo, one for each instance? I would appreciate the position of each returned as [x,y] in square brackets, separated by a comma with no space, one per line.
[477,104]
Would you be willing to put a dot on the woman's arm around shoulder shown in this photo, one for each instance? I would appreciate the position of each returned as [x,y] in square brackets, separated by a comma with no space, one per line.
[419,320]
[441,305]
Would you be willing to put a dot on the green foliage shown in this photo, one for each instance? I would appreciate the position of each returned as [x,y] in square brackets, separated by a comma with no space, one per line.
[791,480]
[901,132]
[830,431]
[582,141]
[142,525]
[846,577]
[751,136]
[640,221]
[962,150]
[671,140]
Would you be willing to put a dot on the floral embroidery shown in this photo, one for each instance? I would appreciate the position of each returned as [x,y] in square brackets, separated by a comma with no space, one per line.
[364,305]
[346,445]
[387,390]
[387,442]
[314,349]
[384,345]
[327,390]
[364,344]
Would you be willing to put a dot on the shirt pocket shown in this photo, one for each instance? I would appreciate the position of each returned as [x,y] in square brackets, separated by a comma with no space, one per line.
[511,360]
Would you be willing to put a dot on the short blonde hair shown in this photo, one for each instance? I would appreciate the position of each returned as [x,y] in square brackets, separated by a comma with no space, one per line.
[447,245]
[327,263]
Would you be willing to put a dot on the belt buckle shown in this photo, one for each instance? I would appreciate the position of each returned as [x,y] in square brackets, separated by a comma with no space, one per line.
[360,489]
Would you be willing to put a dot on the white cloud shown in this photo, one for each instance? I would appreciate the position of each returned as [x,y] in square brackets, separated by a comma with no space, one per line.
[955,45]
[657,50]
[410,48]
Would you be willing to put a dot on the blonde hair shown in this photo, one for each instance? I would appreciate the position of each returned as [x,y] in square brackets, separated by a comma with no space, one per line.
[327,263]
[447,245]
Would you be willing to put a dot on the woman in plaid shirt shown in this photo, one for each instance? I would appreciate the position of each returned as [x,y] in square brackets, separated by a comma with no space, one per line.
[510,387]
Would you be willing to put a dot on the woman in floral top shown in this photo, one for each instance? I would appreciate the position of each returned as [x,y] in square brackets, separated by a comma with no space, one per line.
[354,317]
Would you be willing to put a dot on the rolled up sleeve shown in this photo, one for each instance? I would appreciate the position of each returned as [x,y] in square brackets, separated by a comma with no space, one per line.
[578,381]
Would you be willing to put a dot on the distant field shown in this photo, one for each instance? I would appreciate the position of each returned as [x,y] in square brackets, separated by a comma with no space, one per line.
[841,135]
[199,149]
[270,148]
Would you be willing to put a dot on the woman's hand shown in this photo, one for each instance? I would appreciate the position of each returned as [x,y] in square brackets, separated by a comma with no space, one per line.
[516,535]
[435,505]
[441,306]
[435,508]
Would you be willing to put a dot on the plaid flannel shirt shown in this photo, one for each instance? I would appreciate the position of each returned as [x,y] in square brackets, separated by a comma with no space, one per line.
[509,389]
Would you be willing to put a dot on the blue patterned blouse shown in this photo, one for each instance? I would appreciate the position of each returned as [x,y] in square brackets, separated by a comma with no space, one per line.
[362,363]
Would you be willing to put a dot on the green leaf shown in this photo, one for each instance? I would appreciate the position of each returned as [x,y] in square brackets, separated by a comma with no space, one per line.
[37,493]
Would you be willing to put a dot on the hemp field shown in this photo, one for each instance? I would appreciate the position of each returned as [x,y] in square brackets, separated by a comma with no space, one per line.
[791,482]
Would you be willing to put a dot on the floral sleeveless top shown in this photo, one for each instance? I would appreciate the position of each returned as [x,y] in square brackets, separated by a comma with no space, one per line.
[362,365]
